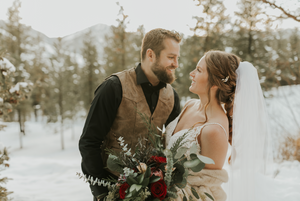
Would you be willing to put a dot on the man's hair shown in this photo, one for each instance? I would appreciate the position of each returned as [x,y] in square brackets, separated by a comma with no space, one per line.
[154,40]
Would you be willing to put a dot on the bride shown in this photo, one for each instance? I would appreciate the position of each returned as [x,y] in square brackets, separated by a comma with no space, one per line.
[230,110]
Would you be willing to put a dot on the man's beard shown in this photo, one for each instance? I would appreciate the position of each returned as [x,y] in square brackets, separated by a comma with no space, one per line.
[162,74]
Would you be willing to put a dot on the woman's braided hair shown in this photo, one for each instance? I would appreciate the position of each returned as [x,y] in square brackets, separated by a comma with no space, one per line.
[219,65]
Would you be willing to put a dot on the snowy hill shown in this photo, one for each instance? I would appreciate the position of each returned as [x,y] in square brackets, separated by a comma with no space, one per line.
[98,32]
[73,42]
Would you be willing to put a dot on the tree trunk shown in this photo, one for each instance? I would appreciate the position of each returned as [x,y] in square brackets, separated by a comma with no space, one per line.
[90,83]
[123,48]
[62,134]
[73,130]
[21,130]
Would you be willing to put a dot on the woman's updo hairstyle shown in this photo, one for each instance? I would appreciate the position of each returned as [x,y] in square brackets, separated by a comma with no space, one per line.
[221,67]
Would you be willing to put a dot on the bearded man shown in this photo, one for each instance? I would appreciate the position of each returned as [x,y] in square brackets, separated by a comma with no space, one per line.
[113,110]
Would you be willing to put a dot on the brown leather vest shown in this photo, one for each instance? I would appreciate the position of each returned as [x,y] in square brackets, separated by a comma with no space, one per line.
[128,122]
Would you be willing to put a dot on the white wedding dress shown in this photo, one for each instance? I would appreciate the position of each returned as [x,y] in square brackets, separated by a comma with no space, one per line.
[206,180]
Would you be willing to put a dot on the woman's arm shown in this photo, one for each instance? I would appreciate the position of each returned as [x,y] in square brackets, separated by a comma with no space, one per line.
[214,144]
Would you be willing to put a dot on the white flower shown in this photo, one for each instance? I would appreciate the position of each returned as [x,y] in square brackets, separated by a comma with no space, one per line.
[163,130]
[142,167]
[125,147]
[128,153]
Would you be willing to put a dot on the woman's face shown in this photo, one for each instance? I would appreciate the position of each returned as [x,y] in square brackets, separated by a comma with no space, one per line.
[199,78]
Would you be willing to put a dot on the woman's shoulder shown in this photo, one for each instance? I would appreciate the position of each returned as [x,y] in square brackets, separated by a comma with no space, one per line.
[191,102]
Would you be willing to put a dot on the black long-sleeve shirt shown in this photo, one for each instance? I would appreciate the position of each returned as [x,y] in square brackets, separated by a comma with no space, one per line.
[101,116]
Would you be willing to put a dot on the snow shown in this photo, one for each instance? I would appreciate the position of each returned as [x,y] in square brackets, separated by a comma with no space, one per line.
[17,87]
[6,65]
[41,171]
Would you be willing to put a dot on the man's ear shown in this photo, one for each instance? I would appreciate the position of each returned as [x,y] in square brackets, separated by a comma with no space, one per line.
[150,55]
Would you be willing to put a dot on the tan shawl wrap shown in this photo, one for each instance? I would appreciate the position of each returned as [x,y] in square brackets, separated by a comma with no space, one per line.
[205,181]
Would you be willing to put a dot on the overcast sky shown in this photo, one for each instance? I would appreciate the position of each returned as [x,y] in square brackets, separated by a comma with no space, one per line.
[58,18]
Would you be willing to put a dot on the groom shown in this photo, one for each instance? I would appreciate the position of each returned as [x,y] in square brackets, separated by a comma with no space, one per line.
[113,111]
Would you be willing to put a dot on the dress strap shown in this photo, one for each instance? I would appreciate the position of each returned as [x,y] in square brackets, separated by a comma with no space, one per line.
[216,124]
[199,128]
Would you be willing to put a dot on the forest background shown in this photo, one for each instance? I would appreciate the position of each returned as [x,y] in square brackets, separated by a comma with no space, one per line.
[62,73]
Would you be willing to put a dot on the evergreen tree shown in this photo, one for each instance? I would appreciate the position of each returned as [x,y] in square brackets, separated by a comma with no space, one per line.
[212,25]
[191,51]
[122,50]
[10,95]
[38,71]
[252,43]
[62,80]
[16,44]
[72,95]
[92,74]
[287,64]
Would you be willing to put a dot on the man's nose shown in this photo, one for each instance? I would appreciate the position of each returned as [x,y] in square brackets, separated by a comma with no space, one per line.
[175,63]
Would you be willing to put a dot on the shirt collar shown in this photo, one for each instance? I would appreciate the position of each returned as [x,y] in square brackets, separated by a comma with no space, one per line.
[141,77]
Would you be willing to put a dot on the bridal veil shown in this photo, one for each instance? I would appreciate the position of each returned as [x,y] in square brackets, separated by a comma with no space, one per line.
[251,153]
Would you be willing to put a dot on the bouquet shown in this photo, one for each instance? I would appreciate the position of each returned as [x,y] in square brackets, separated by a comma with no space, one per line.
[152,172]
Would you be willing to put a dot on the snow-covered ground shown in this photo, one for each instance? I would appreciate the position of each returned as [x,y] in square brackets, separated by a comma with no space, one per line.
[41,171]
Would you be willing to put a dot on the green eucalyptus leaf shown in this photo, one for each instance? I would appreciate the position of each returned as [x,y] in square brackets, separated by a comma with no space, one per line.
[198,168]
[191,163]
[208,195]
[184,198]
[195,192]
[154,179]
[205,159]
[145,182]
[178,173]
[182,184]
[140,178]
[135,187]
[113,165]
[194,148]
[128,195]
[130,180]
[180,152]
[148,172]
[193,156]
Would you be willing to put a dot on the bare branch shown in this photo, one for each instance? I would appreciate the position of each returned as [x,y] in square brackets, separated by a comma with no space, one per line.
[288,14]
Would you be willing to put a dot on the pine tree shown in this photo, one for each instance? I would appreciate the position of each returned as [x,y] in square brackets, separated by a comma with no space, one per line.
[72,95]
[61,77]
[253,40]
[122,50]
[211,24]
[16,44]
[209,33]
[38,71]
[10,95]
[191,51]
[92,73]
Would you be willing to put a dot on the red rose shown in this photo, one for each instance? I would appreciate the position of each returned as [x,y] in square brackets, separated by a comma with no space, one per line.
[159,159]
[122,190]
[159,189]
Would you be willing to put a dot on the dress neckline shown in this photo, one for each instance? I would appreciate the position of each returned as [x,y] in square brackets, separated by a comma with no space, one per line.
[177,120]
